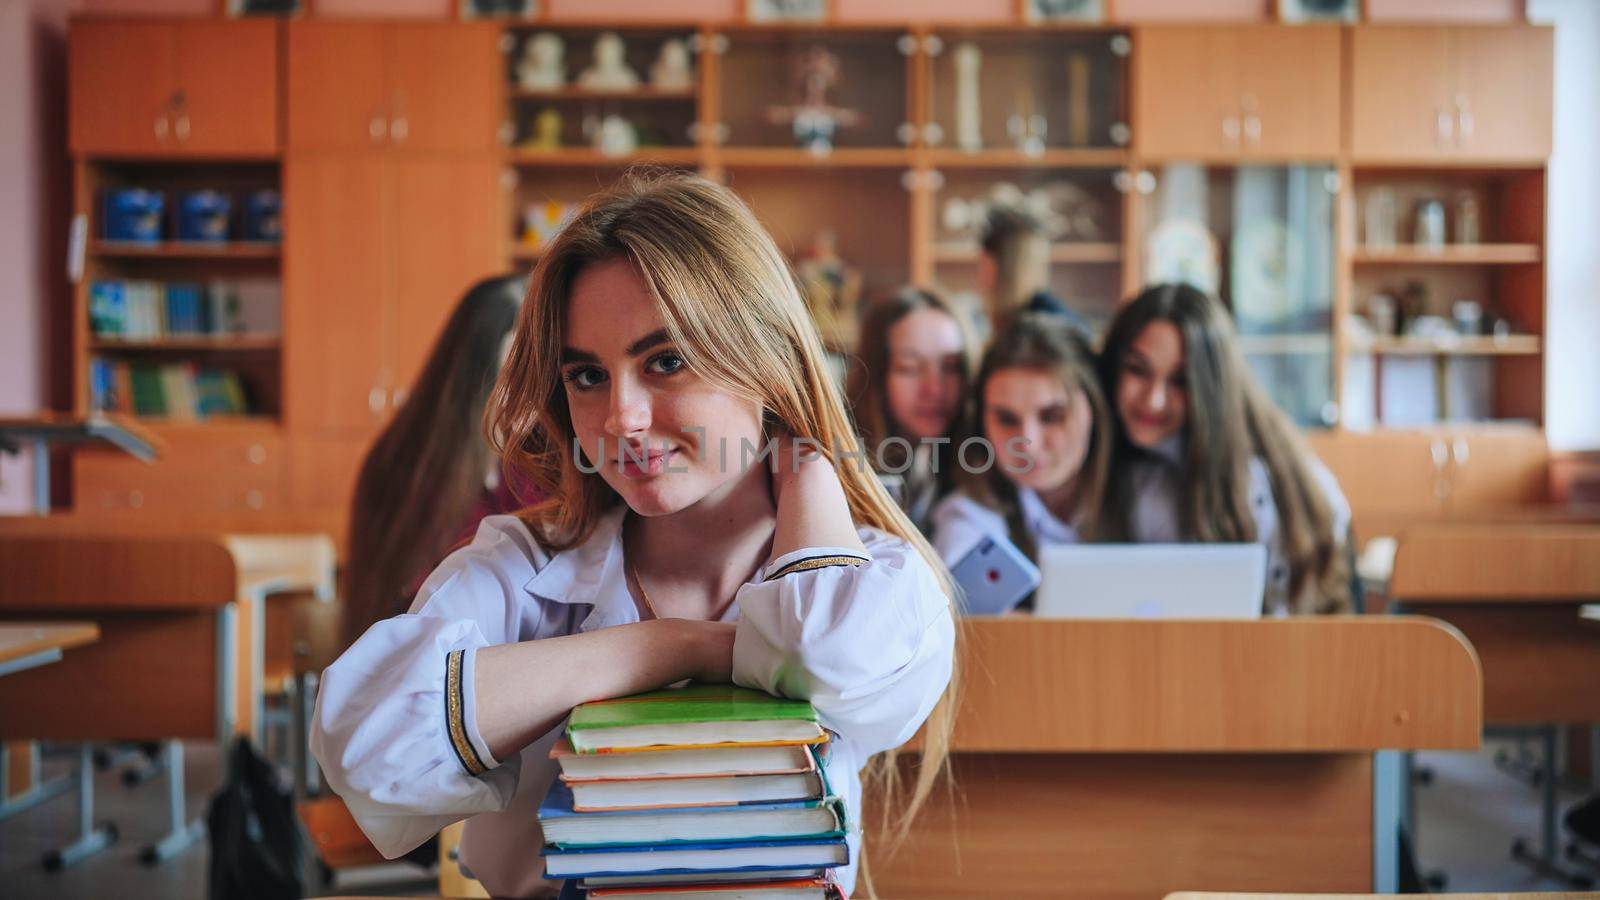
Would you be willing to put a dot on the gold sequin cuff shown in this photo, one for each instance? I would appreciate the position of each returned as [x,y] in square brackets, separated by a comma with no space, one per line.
[808,563]
[455,710]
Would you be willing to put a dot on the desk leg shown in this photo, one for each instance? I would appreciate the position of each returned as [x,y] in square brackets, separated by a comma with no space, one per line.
[41,476]
[180,835]
[227,705]
[35,793]
[91,840]
[1388,799]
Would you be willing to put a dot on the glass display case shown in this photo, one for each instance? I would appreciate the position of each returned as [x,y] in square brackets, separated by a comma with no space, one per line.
[1260,238]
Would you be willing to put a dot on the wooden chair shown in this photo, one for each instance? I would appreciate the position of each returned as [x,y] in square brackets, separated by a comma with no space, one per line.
[1516,588]
[168,665]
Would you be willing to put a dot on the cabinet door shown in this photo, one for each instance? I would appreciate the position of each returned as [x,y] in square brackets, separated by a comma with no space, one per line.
[1289,91]
[1186,92]
[1399,92]
[337,86]
[1498,468]
[1504,79]
[228,76]
[335,264]
[448,234]
[203,468]
[323,467]
[121,78]
[446,86]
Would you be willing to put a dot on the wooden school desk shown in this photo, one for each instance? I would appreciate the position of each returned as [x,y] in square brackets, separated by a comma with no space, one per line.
[1516,589]
[181,654]
[25,645]
[1130,759]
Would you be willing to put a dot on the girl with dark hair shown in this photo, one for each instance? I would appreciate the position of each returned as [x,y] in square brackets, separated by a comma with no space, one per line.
[1203,455]
[908,391]
[430,476]
[1040,408]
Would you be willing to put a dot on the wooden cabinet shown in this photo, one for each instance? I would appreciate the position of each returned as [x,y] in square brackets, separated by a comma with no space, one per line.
[323,468]
[1221,92]
[1451,92]
[162,88]
[379,248]
[203,468]
[417,86]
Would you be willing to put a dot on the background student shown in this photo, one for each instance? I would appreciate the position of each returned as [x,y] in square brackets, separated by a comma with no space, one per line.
[1040,407]
[1203,455]
[1014,268]
[912,383]
[430,476]
[662,323]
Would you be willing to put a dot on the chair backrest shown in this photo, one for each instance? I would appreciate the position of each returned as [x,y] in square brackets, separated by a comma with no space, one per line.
[1497,562]
[106,572]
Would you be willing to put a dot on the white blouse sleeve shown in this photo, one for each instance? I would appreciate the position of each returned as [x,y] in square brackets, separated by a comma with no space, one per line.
[960,523]
[395,728]
[868,640]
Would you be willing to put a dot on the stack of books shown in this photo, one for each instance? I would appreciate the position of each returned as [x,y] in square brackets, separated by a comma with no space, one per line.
[705,791]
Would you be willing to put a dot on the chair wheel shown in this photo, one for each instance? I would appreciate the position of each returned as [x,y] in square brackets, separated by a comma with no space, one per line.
[149,857]
[52,861]
[131,778]
[1424,777]
[111,831]
[1519,847]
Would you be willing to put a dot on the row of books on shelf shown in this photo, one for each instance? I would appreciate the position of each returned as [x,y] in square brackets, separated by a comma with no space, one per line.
[181,391]
[152,310]
[705,791]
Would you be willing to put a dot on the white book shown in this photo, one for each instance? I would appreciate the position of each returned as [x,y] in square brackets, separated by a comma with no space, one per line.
[695,763]
[796,855]
[688,792]
[601,881]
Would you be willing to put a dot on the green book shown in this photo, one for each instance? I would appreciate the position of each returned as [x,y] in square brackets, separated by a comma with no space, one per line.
[699,715]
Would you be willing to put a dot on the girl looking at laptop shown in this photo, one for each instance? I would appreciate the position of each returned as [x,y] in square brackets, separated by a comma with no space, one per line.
[1203,455]
[660,325]
[1040,407]
[909,395]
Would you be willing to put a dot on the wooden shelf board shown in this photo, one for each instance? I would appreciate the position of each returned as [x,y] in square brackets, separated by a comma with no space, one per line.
[1449,254]
[182,250]
[247,342]
[1054,158]
[580,157]
[167,422]
[1513,345]
[796,158]
[1060,252]
[1265,344]
[644,92]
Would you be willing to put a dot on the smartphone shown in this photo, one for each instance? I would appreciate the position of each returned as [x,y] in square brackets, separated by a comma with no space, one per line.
[994,577]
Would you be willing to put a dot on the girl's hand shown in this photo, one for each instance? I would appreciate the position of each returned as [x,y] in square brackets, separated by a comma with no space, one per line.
[812,508]
[797,461]
[709,649]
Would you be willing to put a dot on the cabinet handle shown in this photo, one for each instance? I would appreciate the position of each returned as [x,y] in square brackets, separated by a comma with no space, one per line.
[135,499]
[1460,452]
[1443,129]
[1440,454]
[180,127]
[161,128]
[257,454]
[397,397]
[1230,130]
[255,500]
[376,398]
[1252,129]
[378,128]
[1463,118]
[398,129]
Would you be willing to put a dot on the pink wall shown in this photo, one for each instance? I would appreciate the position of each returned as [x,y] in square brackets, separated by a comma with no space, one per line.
[33,188]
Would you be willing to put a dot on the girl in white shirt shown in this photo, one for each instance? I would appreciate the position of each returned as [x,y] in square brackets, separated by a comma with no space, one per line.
[1202,453]
[909,390]
[1040,408]
[661,344]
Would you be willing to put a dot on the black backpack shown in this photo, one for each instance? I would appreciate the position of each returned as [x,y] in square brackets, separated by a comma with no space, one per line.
[257,849]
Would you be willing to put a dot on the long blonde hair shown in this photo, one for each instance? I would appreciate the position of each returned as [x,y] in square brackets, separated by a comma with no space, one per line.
[733,310]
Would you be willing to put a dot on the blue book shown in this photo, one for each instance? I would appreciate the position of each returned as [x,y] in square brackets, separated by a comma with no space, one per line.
[107,310]
[695,859]
[786,820]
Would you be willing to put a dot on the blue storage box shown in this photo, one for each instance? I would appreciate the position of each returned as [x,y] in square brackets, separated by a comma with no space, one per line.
[262,216]
[203,216]
[133,214]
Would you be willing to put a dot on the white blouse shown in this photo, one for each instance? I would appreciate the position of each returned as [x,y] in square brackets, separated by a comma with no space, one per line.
[1158,487]
[868,640]
[960,521]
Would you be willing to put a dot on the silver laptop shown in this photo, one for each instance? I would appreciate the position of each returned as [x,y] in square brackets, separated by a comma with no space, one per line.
[1151,581]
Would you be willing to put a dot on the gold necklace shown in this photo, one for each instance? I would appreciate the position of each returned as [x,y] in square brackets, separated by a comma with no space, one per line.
[627,563]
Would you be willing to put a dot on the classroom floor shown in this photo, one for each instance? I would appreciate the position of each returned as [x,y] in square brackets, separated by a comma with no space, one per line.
[1467,819]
